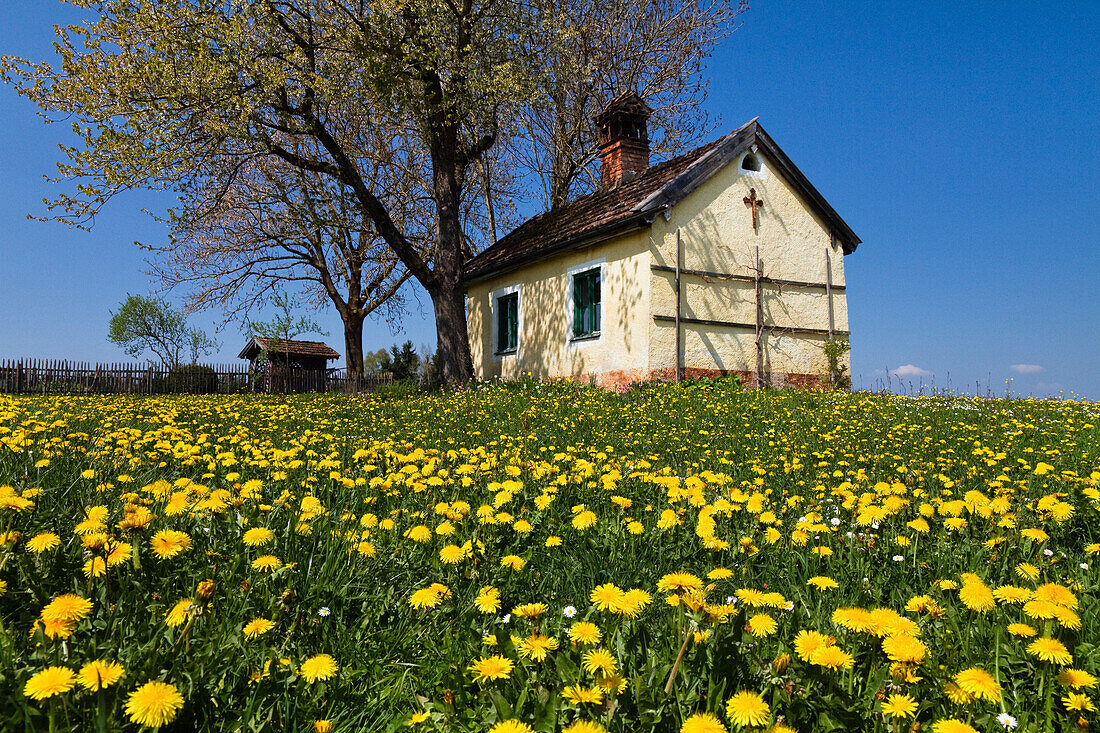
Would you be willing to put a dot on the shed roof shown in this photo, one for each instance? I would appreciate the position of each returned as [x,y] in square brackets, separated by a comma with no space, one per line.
[290,347]
[636,203]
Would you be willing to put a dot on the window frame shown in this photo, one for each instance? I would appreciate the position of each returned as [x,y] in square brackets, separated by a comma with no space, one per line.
[573,340]
[495,313]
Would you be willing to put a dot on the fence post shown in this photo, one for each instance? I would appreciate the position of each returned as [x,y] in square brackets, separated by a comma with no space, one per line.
[19,378]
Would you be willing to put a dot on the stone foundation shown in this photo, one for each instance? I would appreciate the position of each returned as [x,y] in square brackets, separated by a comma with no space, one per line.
[620,380]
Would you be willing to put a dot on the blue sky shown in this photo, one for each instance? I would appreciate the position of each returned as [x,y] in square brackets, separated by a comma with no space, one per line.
[959,140]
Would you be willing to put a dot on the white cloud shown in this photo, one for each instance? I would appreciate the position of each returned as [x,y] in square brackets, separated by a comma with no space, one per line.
[909,370]
[1027,368]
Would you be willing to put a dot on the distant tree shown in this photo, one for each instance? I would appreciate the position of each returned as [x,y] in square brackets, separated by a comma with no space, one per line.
[284,326]
[147,324]
[403,362]
[373,360]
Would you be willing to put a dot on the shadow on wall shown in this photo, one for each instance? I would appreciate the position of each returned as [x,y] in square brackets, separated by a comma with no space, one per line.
[545,348]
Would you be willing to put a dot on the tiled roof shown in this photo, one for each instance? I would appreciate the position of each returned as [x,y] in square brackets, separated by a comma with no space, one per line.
[635,204]
[289,346]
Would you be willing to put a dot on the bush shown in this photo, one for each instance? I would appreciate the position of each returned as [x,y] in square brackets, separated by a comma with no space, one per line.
[193,379]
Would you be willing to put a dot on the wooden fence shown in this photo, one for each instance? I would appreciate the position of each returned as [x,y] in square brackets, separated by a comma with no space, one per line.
[43,376]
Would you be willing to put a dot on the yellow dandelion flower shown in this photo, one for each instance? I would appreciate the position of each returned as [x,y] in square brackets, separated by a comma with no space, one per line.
[43,542]
[951,725]
[169,543]
[267,563]
[1050,650]
[257,627]
[99,674]
[606,597]
[584,632]
[511,726]
[583,695]
[1076,678]
[178,613]
[318,667]
[979,684]
[762,625]
[49,682]
[702,723]
[488,600]
[258,536]
[154,704]
[899,706]
[747,709]
[1078,701]
[599,660]
[491,668]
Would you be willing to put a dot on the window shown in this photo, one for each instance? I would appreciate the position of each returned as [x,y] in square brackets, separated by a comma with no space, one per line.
[507,323]
[750,163]
[586,303]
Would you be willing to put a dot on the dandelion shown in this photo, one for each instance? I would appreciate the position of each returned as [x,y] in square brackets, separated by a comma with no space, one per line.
[258,536]
[583,695]
[257,627]
[762,625]
[267,563]
[607,596]
[584,632]
[584,726]
[43,542]
[488,600]
[747,709]
[491,668]
[99,674]
[702,723]
[899,706]
[511,726]
[1078,701]
[1050,650]
[67,608]
[979,684]
[1076,678]
[176,615]
[599,660]
[952,725]
[318,667]
[154,704]
[49,682]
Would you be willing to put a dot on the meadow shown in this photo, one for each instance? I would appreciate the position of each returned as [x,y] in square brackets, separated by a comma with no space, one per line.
[549,557]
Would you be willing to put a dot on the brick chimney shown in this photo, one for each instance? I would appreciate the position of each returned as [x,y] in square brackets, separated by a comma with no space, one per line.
[624,142]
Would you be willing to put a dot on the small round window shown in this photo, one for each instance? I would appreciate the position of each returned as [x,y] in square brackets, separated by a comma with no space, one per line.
[750,163]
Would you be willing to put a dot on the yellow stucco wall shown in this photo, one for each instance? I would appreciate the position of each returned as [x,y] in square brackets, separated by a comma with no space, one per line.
[544,347]
[717,236]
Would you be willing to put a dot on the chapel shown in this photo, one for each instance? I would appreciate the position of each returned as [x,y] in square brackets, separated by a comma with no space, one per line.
[723,260]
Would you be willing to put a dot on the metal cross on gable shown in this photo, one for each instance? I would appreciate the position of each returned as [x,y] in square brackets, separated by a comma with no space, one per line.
[754,202]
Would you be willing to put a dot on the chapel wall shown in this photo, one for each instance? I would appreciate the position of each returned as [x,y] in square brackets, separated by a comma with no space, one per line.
[717,236]
[545,349]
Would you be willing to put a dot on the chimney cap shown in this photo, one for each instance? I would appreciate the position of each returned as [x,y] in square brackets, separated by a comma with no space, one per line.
[627,104]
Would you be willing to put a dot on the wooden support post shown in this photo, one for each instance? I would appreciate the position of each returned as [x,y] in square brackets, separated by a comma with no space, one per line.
[759,321]
[679,300]
[829,282]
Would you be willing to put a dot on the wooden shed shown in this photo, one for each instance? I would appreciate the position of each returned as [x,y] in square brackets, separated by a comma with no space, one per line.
[286,365]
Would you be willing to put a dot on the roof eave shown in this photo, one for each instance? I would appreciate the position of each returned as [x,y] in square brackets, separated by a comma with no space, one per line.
[634,223]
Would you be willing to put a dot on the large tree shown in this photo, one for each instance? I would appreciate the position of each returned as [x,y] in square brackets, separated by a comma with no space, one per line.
[245,238]
[163,91]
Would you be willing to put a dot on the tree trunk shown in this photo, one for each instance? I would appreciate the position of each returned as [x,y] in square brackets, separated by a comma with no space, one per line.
[452,339]
[353,343]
